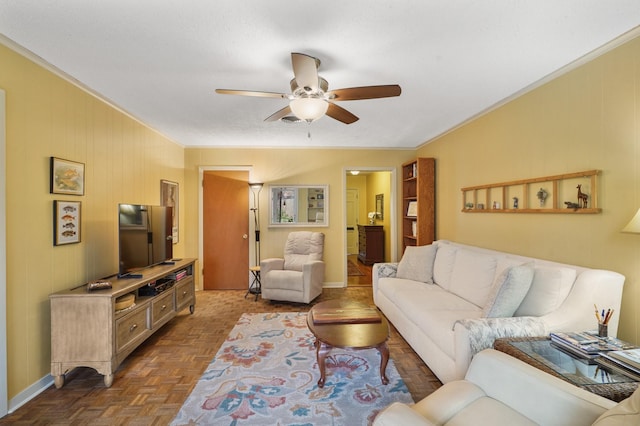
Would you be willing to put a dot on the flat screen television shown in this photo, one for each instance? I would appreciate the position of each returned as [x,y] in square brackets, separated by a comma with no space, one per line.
[144,237]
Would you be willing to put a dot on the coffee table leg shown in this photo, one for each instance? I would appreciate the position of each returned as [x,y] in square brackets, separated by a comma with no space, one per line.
[384,359]
[322,350]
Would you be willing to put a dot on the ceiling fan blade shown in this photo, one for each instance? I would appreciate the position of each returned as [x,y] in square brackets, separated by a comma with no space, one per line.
[305,70]
[341,114]
[279,114]
[366,92]
[252,93]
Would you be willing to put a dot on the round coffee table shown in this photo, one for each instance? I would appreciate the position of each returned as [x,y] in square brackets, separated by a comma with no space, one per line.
[351,335]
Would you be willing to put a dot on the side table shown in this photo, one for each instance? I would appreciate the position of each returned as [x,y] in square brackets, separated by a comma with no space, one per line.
[256,285]
[540,353]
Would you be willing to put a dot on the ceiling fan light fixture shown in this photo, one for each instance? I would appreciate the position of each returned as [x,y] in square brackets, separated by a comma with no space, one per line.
[309,109]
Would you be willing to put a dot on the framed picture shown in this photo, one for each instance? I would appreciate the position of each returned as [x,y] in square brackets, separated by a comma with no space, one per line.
[169,197]
[412,210]
[66,222]
[67,177]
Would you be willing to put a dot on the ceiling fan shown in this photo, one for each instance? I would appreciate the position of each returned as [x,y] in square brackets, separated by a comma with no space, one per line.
[309,99]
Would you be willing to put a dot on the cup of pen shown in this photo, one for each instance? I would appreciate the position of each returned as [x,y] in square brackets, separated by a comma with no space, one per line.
[603,321]
[603,330]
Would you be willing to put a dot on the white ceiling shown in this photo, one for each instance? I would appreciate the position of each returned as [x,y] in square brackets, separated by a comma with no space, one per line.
[161,60]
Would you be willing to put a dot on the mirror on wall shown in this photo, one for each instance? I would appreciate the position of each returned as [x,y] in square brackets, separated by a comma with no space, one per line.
[299,205]
[380,206]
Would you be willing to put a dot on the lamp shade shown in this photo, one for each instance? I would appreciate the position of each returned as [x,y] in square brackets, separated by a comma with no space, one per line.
[634,225]
[309,109]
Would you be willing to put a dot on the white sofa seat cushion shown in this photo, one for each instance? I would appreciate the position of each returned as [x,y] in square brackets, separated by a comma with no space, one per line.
[473,276]
[549,289]
[417,263]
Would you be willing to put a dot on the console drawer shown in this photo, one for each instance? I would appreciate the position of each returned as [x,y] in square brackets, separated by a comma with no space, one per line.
[162,308]
[131,326]
[184,293]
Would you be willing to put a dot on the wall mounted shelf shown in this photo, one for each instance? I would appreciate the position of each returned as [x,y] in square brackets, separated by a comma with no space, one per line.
[559,189]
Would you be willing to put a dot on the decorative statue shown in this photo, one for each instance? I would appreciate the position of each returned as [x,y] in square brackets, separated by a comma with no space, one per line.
[515,202]
[582,198]
[542,196]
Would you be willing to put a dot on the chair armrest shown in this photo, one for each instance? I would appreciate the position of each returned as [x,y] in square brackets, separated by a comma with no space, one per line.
[526,389]
[400,414]
[272,264]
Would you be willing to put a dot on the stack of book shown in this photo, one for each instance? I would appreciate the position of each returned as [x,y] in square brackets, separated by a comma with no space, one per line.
[587,346]
[625,361]
[178,275]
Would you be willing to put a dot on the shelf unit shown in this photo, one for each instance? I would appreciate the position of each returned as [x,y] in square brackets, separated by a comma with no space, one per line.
[559,187]
[418,186]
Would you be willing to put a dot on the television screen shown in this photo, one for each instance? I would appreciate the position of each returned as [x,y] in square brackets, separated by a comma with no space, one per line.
[144,234]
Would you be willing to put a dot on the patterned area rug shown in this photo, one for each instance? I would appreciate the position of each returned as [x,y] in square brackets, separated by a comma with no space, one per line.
[266,373]
[352,269]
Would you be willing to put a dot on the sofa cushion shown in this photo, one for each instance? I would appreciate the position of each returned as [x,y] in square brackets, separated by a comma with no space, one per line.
[443,265]
[549,289]
[473,275]
[417,263]
[508,291]
[627,412]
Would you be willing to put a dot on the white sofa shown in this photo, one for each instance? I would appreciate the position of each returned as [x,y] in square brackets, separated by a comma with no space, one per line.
[450,300]
[502,390]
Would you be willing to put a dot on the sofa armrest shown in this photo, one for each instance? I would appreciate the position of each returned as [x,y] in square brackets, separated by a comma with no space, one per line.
[382,270]
[482,332]
[527,389]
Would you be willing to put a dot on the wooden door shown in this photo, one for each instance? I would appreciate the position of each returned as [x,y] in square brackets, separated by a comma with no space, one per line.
[225,230]
[352,221]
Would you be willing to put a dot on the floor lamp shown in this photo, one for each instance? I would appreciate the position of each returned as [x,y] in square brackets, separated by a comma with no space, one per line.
[255,190]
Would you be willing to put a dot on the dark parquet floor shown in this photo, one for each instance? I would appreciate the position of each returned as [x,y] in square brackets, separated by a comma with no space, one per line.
[153,382]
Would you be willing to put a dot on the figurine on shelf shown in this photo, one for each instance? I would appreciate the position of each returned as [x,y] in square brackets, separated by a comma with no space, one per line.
[542,196]
[468,206]
[515,202]
[582,198]
[571,205]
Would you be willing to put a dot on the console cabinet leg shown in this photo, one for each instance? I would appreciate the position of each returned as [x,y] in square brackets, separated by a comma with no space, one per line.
[58,381]
[108,380]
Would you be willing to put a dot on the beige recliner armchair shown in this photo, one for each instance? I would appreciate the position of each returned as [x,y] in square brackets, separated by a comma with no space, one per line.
[300,275]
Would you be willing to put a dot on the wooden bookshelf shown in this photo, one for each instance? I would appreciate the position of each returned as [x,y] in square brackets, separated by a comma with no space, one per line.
[418,186]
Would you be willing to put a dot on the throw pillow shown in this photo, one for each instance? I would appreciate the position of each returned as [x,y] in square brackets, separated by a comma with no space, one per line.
[443,265]
[549,289]
[417,264]
[508,291]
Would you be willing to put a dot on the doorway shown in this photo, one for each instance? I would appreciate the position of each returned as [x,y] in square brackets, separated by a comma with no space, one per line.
[361,191]
[225,230]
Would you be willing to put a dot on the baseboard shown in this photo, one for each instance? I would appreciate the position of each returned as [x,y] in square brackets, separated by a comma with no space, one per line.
[336,284]
[30,392]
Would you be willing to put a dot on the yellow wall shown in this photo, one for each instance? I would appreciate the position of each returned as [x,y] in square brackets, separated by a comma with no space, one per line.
[124,162]
[587,119]
[289,166]
[380,183]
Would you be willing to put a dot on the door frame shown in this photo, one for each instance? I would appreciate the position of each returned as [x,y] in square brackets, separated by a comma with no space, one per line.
[4,395]
[393,207]
[201,171]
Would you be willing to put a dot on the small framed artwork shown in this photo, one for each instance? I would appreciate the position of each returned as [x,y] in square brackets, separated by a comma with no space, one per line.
[169,197]
[66,222]
[67,177]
